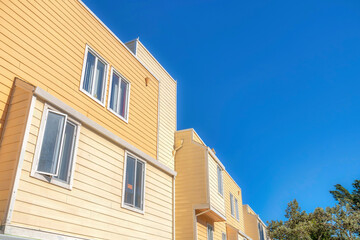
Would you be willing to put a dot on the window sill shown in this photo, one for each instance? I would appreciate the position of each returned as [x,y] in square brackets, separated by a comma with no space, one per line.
[51,181]
[117,115]
[92,97]
[133,209]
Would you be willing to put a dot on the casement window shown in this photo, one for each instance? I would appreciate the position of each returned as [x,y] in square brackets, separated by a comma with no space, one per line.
[237,209]
[119,95]
[220,181]
[134,181]
[94,76]
[223,236]
[232,204]
[56,148]
[210,232]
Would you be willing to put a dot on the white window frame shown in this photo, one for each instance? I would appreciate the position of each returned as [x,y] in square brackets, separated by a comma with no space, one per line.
[232,210]
[221,185]
[223,235]
[123,204]
[46,176]
[113,70]
[207,231]
[97,57]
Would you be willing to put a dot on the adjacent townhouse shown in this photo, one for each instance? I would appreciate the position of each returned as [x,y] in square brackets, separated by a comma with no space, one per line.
[208,202]
[87,128]
[254,226]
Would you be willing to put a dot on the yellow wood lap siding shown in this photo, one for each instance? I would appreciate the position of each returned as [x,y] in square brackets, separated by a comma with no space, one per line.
[11,144]
[92,209]
[44,43]
[230,186]
[216,200]
[190,184]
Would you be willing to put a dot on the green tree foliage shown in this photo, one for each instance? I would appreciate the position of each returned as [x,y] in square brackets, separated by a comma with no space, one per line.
[340,222]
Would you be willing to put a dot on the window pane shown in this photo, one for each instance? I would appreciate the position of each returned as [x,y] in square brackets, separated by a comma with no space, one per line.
[129,181]
[210,233]
[67,152]
[219,175]
[232,204]
[236,209]
[50,148]
[114,104]
[99,80]
[89,73]
[139,185]
[123,98]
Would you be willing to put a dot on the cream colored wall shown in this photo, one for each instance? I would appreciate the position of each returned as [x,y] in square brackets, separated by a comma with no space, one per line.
[197,139]
[92,209]
[190,184]
[230,186]
[43,42]
[216,200]
[11,144]
[167,106]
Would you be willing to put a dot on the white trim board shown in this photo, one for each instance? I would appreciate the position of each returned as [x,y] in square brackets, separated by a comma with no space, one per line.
[113,34]
[39,92]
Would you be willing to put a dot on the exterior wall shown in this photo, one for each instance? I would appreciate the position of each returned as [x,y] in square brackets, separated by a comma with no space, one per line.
[10,144]
[167,103]
[216,200]
[56,34]
[251,223]
[190,183]
[230,186]
[197,139]
[92,209]
[201,226]
[220,228]
[231,233]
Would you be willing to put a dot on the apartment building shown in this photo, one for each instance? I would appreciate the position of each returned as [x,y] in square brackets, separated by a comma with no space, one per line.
[87,128]
[208,202]
[254,226]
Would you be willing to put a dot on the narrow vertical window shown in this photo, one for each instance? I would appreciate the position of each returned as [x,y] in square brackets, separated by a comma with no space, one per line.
[51,144]
[119,95]
[220,181]
[236,209]
[210,232]
[93,80]
[223,236]
[55,151]
[232,204]
[134,183]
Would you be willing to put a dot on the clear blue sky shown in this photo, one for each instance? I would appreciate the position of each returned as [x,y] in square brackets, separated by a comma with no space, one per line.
[273,86]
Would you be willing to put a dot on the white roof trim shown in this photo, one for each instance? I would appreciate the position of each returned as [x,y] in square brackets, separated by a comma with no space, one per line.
[138,41]
[117,38]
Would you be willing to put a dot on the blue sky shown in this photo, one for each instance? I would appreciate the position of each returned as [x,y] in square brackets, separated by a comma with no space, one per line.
[273,86]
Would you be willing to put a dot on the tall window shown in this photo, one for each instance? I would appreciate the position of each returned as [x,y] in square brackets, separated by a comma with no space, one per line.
[93,79]
[223,236]
[210,232]
[56,147]
[220,181]
[119,95]
[232,204]
[237,209]
[133,195]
